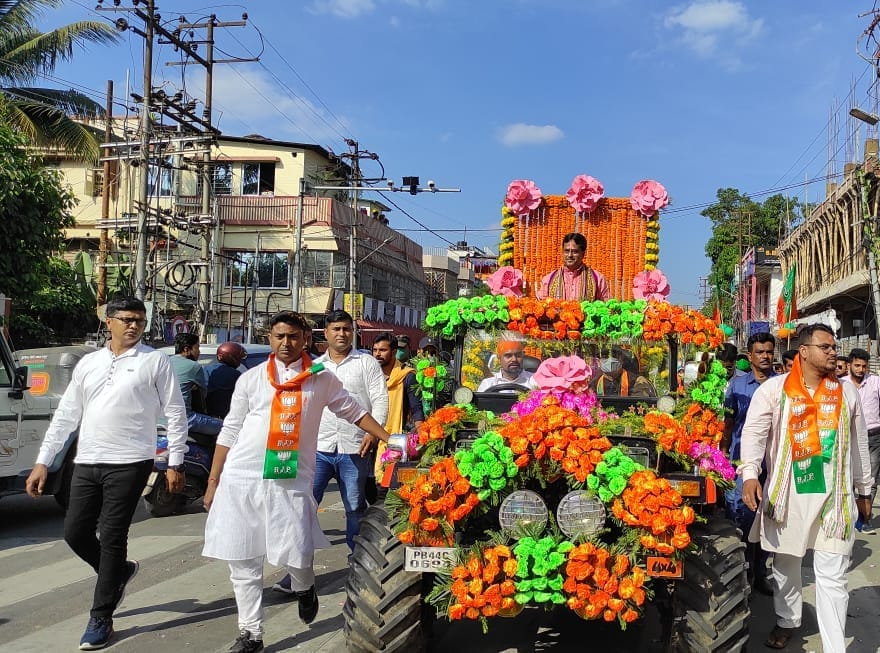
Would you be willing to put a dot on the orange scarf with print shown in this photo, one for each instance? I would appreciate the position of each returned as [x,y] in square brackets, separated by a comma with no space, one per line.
[285,420]
[810,414]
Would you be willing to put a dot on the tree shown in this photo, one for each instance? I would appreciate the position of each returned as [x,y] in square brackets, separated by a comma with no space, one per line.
[35,207]
[26,53]
[738,222]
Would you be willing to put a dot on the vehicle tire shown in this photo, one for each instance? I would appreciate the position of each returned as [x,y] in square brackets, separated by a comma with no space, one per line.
[710,606]
[160,502]
[383,608]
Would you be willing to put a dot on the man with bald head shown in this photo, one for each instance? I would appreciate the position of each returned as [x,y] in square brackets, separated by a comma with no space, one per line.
[510,354]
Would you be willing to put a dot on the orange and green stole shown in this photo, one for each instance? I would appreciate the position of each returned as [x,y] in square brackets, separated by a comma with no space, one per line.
[586,290]
[285,420]
[816,433]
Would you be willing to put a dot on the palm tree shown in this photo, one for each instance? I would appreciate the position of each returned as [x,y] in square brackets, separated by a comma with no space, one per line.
[26,53]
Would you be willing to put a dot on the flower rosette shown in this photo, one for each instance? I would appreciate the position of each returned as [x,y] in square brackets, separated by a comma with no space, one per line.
[613,319]
[704,424]
[441,424]
[648,197]
[562,373]
[651,285]
[662,320]
[610,477]
[539,570]
[711,461]
[523,196]
[670,434]
[547,319]
[650,503]
[482,585]
[507,281]
[599,584]
[425,510]
[584,193]
[488,465]
[456,316]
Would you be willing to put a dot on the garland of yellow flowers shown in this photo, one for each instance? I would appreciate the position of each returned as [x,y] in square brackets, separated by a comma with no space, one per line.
[508,222]
[652,243]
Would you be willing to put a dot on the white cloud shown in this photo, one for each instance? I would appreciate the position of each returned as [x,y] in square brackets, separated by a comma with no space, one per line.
[343,8]
[248,100]
[522,134]
[706,24]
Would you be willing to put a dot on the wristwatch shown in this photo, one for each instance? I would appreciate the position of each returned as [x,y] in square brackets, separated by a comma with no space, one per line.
[180,469]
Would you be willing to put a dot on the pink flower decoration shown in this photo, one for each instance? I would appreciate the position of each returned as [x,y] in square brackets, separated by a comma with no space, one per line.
[562,373]
[523,196]
[648,197]
[651,284]
[506,280]
[585,193]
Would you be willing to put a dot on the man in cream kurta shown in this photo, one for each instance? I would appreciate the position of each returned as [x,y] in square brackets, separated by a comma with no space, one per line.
[822,521]
[252,518]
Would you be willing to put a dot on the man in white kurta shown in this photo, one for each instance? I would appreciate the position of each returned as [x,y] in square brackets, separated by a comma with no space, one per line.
[789,522]
[252,519]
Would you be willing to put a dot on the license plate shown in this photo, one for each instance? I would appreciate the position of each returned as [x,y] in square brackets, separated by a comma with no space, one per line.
[428,558]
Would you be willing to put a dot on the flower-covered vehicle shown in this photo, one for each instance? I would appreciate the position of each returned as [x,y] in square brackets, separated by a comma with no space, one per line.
[589,484]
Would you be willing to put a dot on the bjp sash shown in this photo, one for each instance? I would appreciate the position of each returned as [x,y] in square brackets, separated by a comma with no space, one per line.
[812,428]
[285,420]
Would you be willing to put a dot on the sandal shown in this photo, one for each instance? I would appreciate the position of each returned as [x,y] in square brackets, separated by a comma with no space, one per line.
[779,637]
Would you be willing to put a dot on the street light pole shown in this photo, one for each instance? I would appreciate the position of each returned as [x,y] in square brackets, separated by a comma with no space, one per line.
[297,253]
[140,261]
[352,250]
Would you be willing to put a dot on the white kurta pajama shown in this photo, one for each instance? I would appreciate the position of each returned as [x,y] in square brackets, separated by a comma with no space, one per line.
[253,518]
[802,525]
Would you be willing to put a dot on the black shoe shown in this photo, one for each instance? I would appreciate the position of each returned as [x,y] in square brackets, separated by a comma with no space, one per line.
[244,644]
[763,585]
[308,605]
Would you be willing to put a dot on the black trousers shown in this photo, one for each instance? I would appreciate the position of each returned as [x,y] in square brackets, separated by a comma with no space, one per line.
[104,497]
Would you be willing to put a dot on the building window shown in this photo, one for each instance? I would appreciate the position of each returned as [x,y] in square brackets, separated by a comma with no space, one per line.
[94,182]
[324,269]
[257,178]
[271,269]
[222,179]
[160,178]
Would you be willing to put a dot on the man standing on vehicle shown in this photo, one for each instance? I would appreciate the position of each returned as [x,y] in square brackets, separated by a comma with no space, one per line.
[116,397]
[193,383]
[811,428]
[574,280]
[868,385]
[260,493]
[510,354]
[760,347]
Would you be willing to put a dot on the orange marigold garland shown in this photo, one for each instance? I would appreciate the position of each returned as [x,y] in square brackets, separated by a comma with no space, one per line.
[691,326]
[428,508]
[703,424]
[602,585]
[549,319]
[483,584]
[555,440]
[652,504]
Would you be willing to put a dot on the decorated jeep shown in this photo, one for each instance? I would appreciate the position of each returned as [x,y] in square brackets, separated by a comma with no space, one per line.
[560,490]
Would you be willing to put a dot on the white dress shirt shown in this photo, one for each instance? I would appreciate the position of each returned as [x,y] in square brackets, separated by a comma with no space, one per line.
[362,376]
[524,379]
[117,401]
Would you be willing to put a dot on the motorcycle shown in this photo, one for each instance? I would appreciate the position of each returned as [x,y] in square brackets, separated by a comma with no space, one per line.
[162,503]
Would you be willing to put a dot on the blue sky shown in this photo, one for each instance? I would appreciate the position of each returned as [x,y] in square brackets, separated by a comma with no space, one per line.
[698,95]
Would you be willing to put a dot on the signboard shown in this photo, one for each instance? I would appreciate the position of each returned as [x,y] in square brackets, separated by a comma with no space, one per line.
[428,558]
[357,312]
[766,256]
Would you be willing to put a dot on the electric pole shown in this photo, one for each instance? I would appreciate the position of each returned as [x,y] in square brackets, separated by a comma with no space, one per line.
[104,242]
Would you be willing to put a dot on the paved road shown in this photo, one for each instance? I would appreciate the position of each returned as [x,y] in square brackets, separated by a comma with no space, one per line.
[183,602]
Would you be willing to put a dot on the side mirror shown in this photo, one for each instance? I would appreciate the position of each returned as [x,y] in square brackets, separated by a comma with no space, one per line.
[19,383]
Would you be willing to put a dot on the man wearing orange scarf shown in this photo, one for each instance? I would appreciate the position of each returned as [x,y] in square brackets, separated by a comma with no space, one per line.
[812,430]
[404,408]
[260,499]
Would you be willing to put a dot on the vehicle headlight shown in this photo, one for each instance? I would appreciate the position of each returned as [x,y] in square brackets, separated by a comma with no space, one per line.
[463,395]
[523,509]
[580,514]
[666,404]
